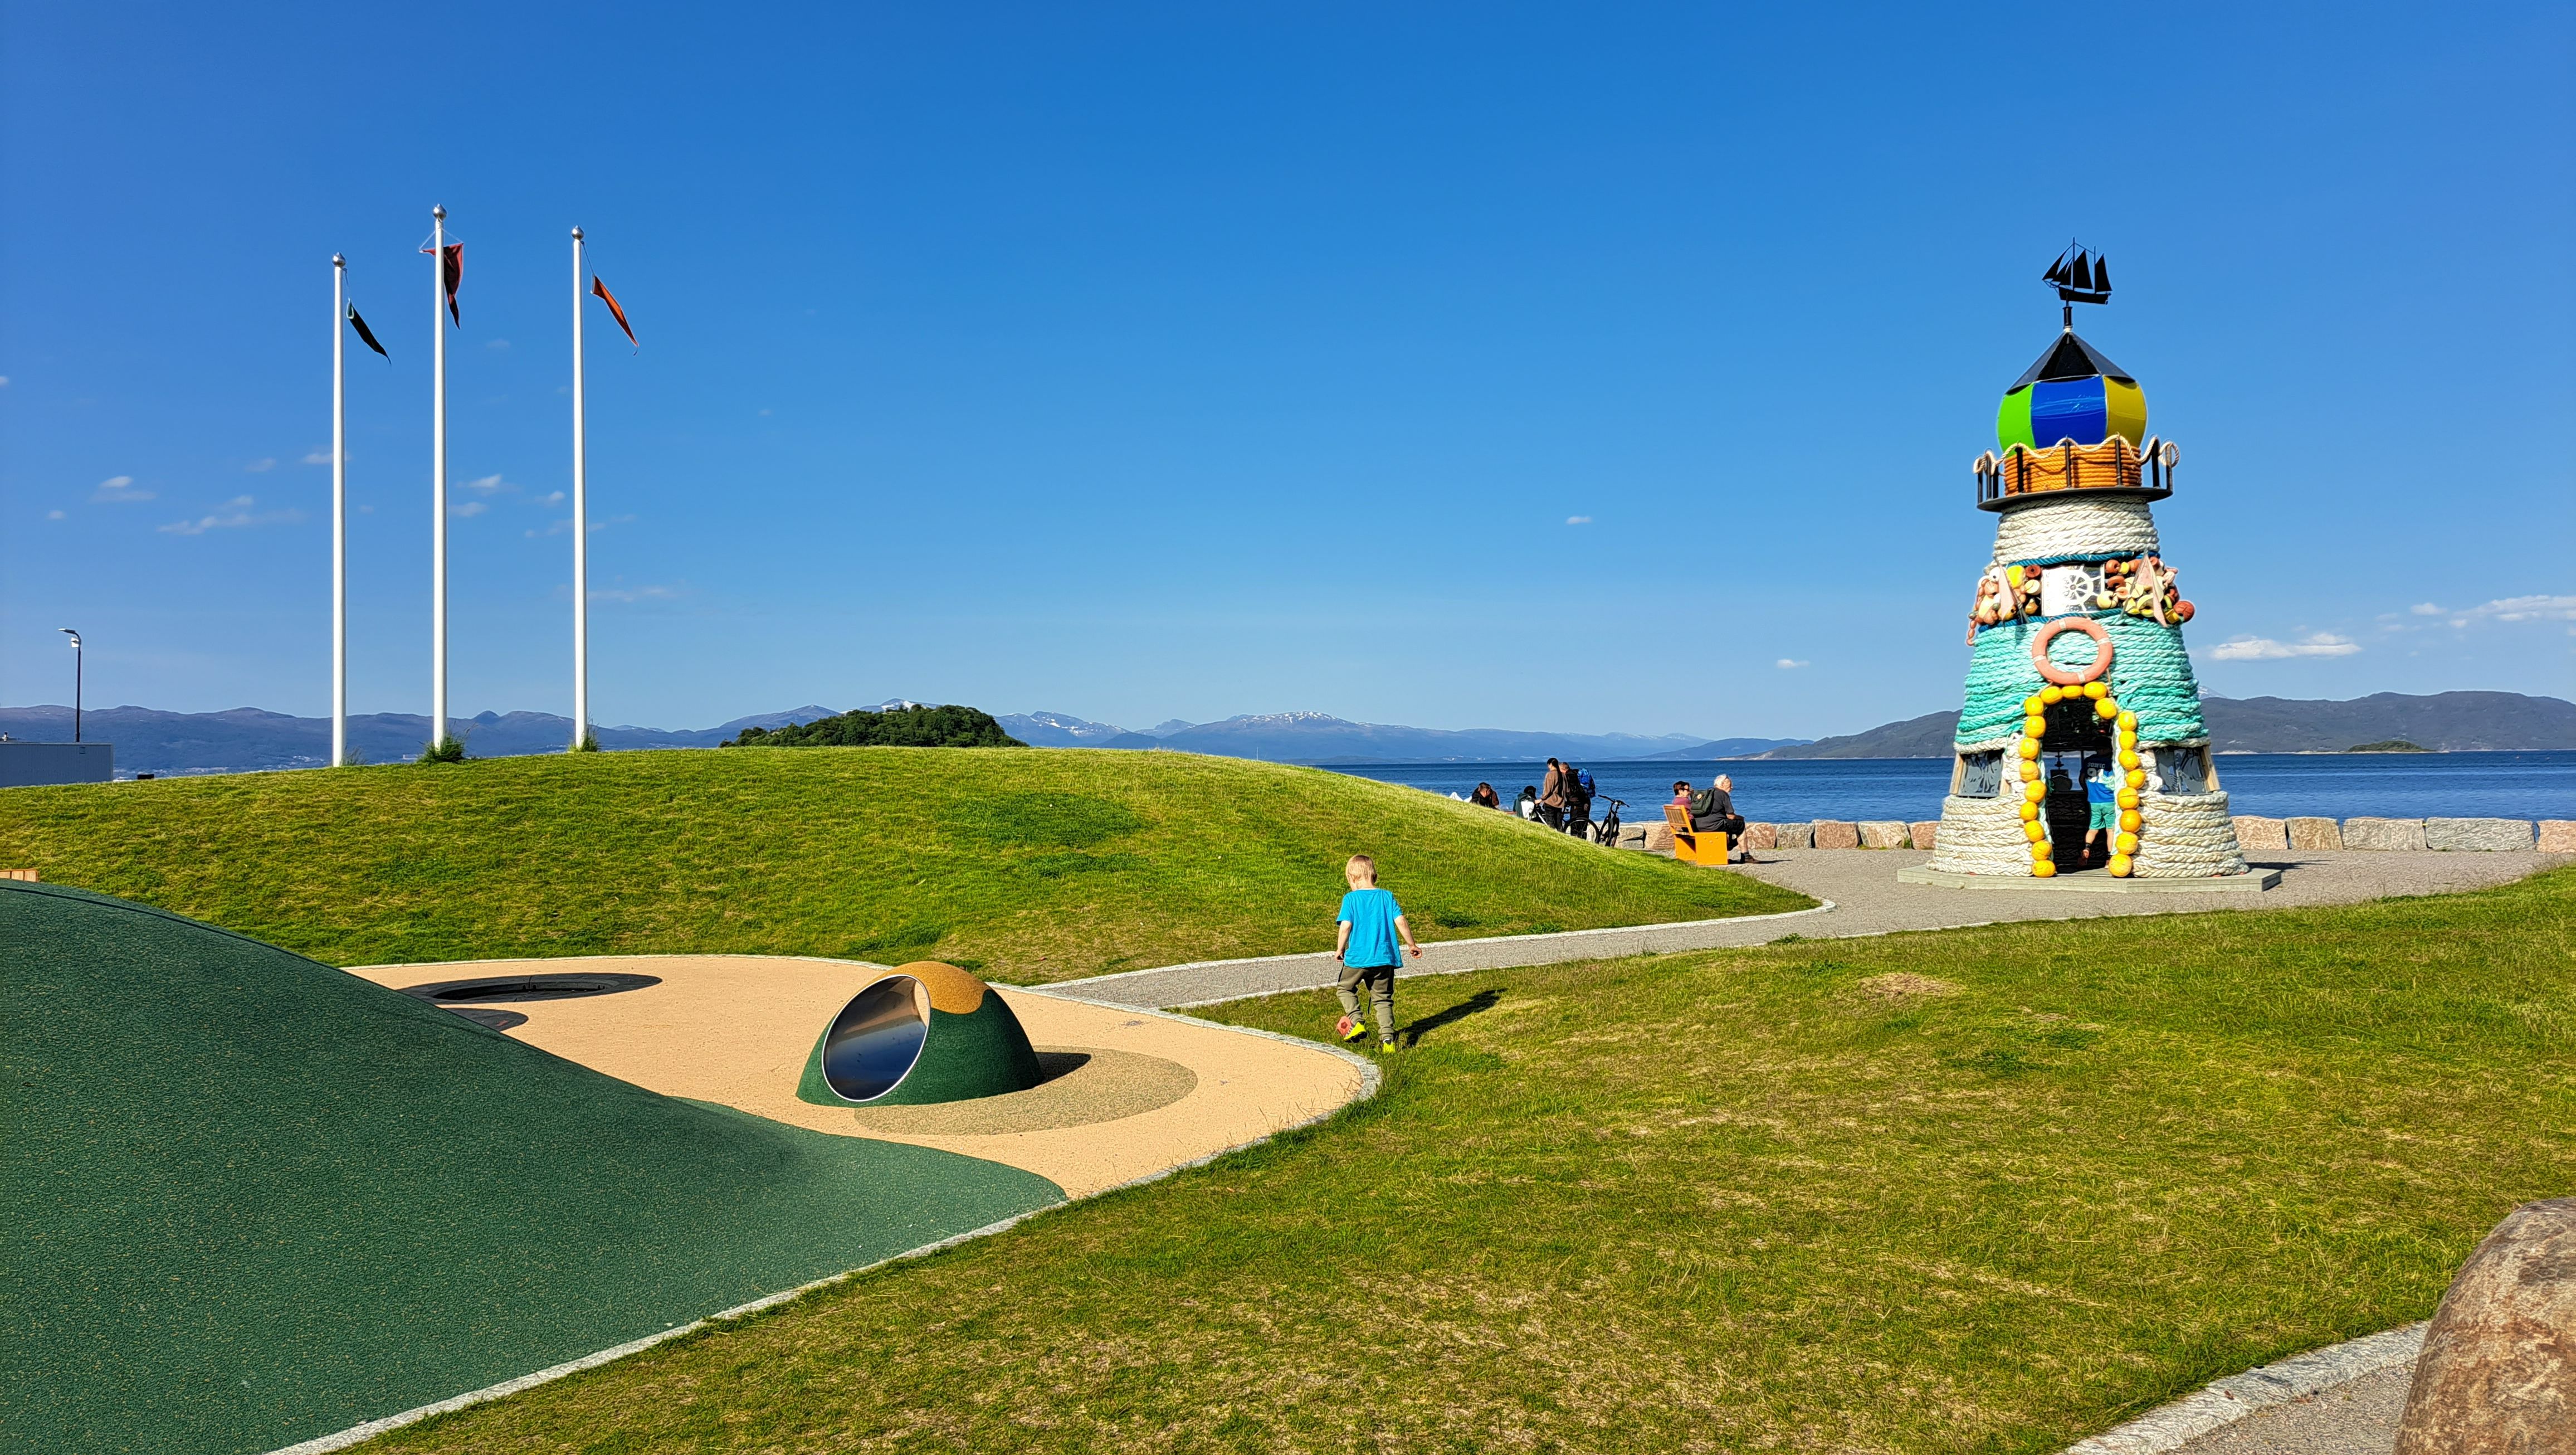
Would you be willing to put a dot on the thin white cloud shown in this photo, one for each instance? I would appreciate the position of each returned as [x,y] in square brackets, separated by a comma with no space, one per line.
[2521,608]
[1578,520]
[2264,649]
[317,456]
[260,466]
[53,515]
[488,484]
[2425,608]
[555,498]
[469,508]
[119,488]
[4,381]
[498,344]
[630,594]
[232,514]
[1787,664]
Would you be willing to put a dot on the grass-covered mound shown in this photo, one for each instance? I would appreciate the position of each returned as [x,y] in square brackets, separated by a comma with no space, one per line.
[250,1200]
[1979,1190]
[1025,864]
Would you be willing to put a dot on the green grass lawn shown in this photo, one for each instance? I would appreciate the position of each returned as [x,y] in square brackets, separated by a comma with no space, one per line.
[1978,1190]
[1029,865]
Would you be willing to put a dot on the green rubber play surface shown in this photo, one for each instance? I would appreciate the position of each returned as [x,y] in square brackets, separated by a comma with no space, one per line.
[250,1199]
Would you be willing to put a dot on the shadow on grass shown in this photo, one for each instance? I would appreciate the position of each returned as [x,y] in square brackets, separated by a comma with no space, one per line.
[1412,1033]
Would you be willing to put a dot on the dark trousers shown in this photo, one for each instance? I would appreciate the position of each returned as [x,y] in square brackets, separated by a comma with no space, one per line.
[1731,825]
[1552,816]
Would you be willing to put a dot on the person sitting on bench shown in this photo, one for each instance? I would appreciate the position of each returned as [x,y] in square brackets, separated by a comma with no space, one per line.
[1713,812]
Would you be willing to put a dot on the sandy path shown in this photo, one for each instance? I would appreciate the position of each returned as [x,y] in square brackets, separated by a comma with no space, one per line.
[736,1029]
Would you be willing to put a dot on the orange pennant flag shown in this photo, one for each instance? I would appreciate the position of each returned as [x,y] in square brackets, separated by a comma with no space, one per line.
[600,291]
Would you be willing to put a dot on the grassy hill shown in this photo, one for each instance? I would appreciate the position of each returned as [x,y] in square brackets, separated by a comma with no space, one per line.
[1032,865]
[252,1200]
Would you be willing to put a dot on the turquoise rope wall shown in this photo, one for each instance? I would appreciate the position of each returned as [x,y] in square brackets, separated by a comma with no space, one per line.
[2150,675]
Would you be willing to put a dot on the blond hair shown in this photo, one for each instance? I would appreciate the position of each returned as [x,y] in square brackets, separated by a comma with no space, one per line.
[1361,861]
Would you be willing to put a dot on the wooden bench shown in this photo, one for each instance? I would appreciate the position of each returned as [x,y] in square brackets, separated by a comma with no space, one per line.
[1690,845]
[29,875]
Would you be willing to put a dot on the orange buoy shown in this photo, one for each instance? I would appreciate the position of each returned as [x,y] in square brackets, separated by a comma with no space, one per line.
[2065,677]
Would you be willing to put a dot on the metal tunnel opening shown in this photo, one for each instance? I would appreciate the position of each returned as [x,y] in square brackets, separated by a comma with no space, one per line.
[876,1038]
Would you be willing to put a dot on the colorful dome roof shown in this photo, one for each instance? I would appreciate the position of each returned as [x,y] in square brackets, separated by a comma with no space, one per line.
[2072,393]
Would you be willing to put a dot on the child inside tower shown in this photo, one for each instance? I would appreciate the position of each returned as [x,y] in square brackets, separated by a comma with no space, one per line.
[2101,796]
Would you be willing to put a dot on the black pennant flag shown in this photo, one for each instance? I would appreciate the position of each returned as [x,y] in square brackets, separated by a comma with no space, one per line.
[452,267]
[367,335]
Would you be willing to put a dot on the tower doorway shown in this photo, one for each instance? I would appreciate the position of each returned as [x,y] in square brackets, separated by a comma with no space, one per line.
[2077,746]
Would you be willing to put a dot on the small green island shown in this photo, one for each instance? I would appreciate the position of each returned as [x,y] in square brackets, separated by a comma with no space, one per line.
[2391,745]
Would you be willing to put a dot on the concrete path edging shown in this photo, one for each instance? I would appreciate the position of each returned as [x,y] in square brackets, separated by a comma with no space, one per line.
[1274,974]
[2228,1400]
[1371,1079]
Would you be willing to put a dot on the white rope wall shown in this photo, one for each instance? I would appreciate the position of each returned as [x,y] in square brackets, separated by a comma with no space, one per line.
[1982,836]
[2185,836]
[2076,528]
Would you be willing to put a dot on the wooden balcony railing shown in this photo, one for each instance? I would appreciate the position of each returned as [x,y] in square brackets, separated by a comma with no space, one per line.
[2115,464]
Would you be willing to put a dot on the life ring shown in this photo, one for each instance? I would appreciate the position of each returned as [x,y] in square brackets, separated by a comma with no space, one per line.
[2065,677]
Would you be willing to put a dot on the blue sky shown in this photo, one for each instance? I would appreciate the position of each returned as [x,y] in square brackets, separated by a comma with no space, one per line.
[1471,365]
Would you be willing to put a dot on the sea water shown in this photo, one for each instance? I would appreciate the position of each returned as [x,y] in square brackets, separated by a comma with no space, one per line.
[2280,785]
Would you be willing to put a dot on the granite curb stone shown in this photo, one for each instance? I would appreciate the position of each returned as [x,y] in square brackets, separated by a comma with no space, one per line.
[2479,835]
[1794,836]
[2558,836]
[2258,835]
[2315,833]
[1834,833]
[1881,833]
[1927,834]
[2396,835]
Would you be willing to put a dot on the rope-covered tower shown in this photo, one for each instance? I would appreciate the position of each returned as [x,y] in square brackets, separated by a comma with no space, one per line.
[2077,665]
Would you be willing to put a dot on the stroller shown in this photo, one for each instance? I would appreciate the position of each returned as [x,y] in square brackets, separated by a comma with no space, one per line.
[1527,804]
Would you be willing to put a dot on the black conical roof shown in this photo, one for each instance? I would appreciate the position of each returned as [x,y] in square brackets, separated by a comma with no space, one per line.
[2071,358]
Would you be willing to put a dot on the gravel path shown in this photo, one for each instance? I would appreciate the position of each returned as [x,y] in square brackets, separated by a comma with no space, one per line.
[1866,899]
[2359,1418]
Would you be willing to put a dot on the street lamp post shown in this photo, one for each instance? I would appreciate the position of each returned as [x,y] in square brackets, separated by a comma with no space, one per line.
[76,679]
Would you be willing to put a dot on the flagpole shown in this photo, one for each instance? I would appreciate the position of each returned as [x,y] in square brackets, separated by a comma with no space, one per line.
[580,525]
[339,513]
[438,479]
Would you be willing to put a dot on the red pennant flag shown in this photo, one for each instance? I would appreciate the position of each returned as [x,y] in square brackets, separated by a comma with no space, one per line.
[453,267]
[600,291]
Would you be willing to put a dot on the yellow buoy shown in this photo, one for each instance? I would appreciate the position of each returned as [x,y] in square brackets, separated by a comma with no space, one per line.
[2137,778]
[2126,798]
[2128,722]
[2120,866]
[2097,689]
[2043,869]
[2034,792]
[2125,844]
[2034,726]
[2030,747]
[2012,575]
[2130,820]
[2106,708]
[2029,812]
[2029,772]
[2129,760]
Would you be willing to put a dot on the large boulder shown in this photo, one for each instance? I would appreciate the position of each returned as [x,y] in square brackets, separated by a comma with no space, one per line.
[2491,834]
[1834,833]
[1762,836]
[2498,1373]
[1884,834]
[1926,834]
[2383,833]
[2558,836]
[1659,838]
[2315,833]
[2261,835]
[1794,836]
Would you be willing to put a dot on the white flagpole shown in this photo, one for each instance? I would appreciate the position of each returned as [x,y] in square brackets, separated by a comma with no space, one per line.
[580,525]
[438,478]
[339,512]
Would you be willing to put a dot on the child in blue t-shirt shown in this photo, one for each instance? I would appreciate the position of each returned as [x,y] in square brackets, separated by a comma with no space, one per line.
[1371,924]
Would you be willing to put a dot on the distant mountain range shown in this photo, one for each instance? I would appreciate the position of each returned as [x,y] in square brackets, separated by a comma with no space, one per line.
[247,739]
[2446,722]
[1314,737]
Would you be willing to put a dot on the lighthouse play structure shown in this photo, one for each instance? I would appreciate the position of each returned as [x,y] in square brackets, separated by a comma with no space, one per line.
[2078,687]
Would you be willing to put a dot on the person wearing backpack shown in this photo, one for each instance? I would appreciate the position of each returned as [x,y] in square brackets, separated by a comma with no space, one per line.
[1553,791]
[1579,815]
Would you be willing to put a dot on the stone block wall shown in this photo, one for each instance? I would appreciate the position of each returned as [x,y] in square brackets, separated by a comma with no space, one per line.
[2487,834]
[2315,833]
[1925,834]
[1761,836]
[1884,834]
[1834,833]
[2256,835]
[1794,836]
[2398,834]
[2558,836]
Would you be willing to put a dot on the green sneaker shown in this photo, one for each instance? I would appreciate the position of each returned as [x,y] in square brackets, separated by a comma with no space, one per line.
[1386,1048]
